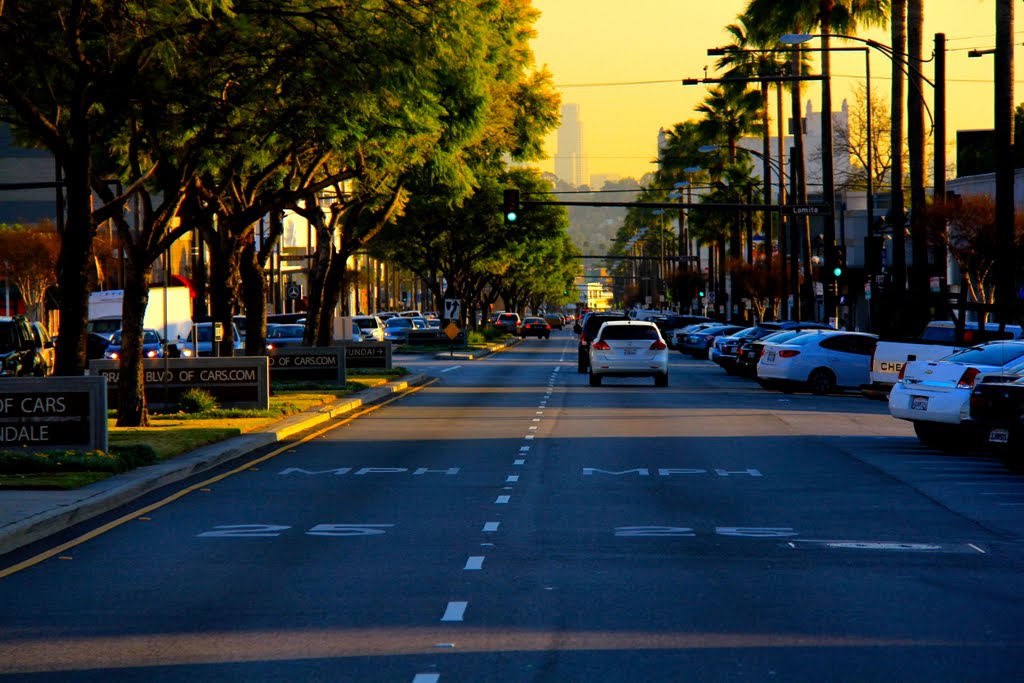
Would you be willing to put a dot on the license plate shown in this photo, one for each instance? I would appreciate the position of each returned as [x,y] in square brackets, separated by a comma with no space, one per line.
[771,356]
[629,351]
[999,436]
[919,403]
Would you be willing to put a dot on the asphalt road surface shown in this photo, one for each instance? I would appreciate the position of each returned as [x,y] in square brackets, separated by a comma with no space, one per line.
[511,523]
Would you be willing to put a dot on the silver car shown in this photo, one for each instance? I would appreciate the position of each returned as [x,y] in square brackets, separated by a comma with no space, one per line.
[629,348]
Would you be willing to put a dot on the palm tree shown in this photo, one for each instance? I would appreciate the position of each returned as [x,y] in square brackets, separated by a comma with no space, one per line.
[830,16]
[729,114]
[754,53]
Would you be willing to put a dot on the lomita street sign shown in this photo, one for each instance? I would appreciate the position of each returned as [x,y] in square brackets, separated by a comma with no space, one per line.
[805,210]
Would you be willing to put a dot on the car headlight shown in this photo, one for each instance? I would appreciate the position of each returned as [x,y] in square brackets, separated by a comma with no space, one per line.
[151,353]
[186,353]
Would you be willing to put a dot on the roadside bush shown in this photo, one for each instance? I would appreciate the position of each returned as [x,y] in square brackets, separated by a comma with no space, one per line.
[196,401]
[118,459]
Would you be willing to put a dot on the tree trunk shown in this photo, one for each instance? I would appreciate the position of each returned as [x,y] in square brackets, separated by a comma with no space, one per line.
[895,314]
[75,263]
[919,285]
[131,395]
[224,281]
[255,290]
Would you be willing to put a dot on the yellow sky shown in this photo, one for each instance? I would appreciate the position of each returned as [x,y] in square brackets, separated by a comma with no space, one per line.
[585,42]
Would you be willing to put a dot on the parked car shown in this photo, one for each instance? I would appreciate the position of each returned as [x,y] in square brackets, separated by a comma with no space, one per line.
[18,354]
[819,360]
[672,322]
[730,349]
[587,330]
[46,352]
[751,349]
[628,348]
[396,329]
[675,337]
[535,327]
[698,344]
[200,341]
[935,395]
[997,416]
[508,322]
[372,327]
[280,336]
[153,345]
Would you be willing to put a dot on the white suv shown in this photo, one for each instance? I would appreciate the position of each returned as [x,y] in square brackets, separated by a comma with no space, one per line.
[629,348]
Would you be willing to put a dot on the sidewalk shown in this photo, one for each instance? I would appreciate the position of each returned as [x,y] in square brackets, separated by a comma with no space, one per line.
[28,516]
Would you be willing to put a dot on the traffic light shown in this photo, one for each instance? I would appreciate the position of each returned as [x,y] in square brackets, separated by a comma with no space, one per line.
[839,262]
[510,205]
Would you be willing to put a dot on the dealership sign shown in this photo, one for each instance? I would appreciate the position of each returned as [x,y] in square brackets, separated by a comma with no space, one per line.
[239,382]
[50,413]
[308,364]
[366,354]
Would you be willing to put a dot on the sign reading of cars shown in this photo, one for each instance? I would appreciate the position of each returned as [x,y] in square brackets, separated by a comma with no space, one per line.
[239,382]
[49,413]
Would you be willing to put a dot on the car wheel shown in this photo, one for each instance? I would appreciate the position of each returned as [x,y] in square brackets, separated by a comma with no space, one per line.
[595,380]
[821,382]
[943,437]
[661,380]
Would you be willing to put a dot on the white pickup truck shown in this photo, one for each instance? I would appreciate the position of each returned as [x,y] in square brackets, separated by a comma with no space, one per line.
[938,340]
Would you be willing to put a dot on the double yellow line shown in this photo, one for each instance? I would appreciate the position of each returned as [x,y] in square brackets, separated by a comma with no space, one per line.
[53,552]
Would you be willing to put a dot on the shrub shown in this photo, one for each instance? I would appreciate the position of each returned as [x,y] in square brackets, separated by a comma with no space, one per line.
[196,401]
[119,459]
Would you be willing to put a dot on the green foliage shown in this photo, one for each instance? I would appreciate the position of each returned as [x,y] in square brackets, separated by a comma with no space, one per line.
[196,401]
[118,459]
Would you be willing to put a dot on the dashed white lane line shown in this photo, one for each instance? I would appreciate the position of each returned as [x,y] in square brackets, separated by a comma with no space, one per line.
[454,367]
[502,500]
[512,478]
[426,678]
[455,611]
[536,419]
[524,449]
[474,562]
[519,461]
[528,437]
[491,526]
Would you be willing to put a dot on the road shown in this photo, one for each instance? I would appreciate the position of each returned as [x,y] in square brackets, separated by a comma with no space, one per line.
[511,523]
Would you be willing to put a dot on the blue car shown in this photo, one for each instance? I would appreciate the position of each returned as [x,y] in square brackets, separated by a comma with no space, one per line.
[152,345]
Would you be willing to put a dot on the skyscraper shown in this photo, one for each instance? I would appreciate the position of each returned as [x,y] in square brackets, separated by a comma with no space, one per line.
[570,164]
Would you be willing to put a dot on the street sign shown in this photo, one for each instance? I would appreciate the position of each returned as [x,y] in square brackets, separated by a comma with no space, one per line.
[452,331]
[805,209]
[452,309]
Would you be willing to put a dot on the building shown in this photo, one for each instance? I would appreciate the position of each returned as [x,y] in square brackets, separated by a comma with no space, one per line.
[570,162]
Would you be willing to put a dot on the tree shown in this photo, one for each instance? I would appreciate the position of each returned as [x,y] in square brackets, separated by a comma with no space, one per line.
[852,139]
[29,256]
[967,227]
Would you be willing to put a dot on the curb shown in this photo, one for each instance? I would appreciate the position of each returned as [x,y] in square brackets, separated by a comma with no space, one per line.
[58,510]
[479,353]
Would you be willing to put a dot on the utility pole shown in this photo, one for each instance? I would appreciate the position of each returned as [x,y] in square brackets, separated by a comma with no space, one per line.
[1006,263]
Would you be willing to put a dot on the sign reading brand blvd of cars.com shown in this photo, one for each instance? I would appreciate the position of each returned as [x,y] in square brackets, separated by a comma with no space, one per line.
[239,382]
[53,413]
[308,364]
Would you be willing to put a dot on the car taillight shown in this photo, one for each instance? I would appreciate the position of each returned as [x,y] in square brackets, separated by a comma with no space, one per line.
[967,379]
[658,345]
[788,353]
[601,345]
[903,371]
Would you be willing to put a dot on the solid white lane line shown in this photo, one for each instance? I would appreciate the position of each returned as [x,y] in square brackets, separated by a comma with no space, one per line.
[455,611]
[474,562]
[426,678]
[520,461]
[977,548]
[512,478]
[491,526]
[454,367]
[502,500]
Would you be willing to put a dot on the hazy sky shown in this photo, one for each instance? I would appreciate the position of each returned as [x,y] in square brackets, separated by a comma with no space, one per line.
[622,62]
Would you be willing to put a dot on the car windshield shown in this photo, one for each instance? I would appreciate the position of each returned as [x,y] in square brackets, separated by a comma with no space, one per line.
[781,337]
[281,331]
[990,354]
[629,332]
[7,335]
[148,337]
[804,339]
